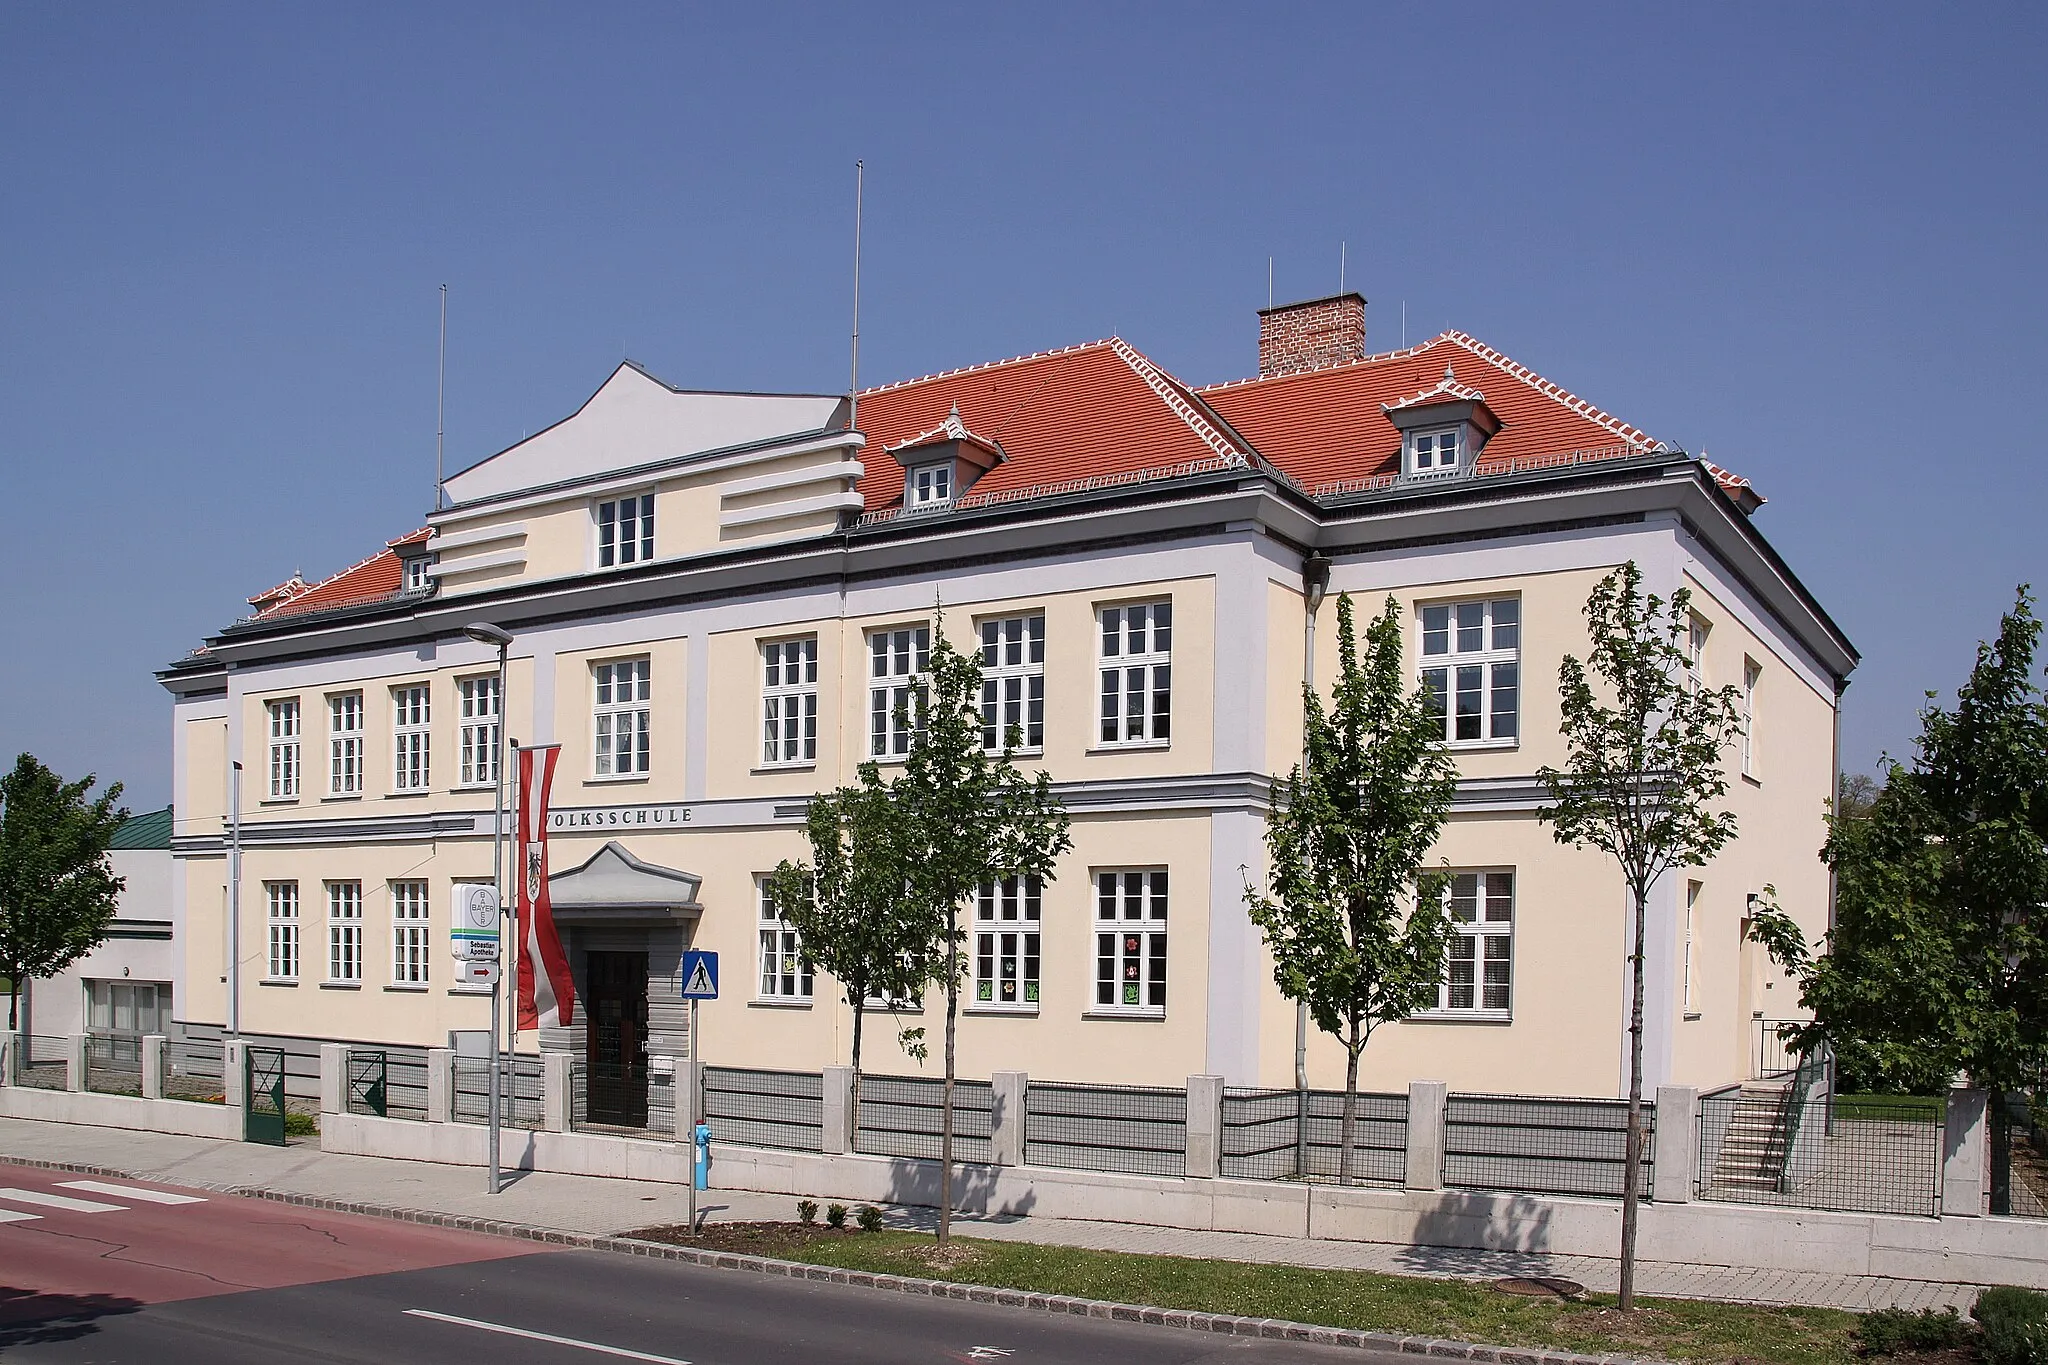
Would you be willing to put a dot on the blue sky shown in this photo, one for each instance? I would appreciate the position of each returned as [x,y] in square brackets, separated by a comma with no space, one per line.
[1802,238]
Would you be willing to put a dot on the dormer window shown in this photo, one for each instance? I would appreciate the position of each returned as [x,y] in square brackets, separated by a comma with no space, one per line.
[416,573]
[1443,429]
[931,486]
[1433,452]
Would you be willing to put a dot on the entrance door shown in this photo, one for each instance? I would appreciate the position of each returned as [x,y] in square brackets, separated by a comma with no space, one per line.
[616,1054]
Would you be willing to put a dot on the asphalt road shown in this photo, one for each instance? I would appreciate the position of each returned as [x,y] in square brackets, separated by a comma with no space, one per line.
[220,1280]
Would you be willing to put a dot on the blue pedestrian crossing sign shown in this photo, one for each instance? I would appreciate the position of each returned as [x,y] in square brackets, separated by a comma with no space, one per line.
[700,976]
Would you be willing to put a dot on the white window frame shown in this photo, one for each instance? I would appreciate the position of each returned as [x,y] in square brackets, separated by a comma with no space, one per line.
[482,747]
[1450,658]
[781,975]
[789,702]
[1134,672]
[1129,938]
[345,933]
[345,740]
[1013,682]
[412,925]
[1009,945]
[1689,986]
[928,486]
[412,723]
[1698,628]
[1435,453]
[625,530]
[281,917]
[621,706]
[283,721]
[1480,933]
[416,579]
[899,661]
[1752,674]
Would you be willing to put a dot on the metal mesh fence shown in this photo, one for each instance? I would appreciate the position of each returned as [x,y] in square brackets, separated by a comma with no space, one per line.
[113,1064]
[1542,1145]
[1856,1153]
[194,1070]
[519,1093]
[41,1061]
[2019,1159]
[622,1101]
[904,1116]
[1265,1137]
[1134,1129]
[765,1108]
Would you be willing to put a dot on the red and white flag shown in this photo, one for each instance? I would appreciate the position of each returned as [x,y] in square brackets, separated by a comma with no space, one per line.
[547,993]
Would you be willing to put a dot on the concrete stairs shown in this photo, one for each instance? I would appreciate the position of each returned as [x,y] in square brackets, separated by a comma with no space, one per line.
[1753,1150]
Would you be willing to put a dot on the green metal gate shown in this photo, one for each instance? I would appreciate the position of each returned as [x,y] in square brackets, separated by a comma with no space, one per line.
[263,1093]
[366,1079]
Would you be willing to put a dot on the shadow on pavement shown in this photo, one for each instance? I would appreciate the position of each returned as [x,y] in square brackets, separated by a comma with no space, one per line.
[29,1318]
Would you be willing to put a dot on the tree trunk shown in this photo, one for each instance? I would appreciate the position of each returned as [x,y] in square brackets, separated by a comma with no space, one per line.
[859,1016]
[2001,1154]
[946,1136]
[1632,1173]
[1349,1135]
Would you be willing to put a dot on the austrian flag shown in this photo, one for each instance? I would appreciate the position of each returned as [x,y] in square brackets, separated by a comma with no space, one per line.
[547,993]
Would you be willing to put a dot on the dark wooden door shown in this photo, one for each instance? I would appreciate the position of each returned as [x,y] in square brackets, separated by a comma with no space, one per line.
[616,1048]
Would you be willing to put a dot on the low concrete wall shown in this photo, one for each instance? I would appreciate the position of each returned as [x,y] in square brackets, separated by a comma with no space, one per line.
[122,1111]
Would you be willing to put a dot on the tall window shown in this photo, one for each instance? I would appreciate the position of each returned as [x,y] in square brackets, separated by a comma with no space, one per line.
[789,701]
[1752,673]
[897,660]
[1481,975]
[1006,943]
[1130,941]
[345,931]
[1691,988]
[283,916]
[1137,673]
[480,730]
[1471,664]
[1013,683]
[410,927]
[621,712]
[625,531]
[784,973]
[1696,652]
[284,748]
[345,744]
[411,714]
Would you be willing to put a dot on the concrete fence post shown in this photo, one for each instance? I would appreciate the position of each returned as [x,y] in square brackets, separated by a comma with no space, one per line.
[1964,1154]
[1676,1156]
[153,1066]
[77,1057]
[440,1085]
[10,1050]
[334,1078]
[557,1090]
[1205,1126]
[835,1138]
[234,1073]
[1427,1101]
[1006,1131]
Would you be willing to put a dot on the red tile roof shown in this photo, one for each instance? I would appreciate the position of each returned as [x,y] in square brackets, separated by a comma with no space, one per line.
[370,580]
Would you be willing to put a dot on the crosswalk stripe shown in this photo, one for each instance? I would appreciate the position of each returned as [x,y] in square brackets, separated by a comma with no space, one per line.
[130,1192]
[16,1216]
[58,1201]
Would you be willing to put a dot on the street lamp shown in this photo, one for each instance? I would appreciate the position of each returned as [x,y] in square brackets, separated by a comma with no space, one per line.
[484,633]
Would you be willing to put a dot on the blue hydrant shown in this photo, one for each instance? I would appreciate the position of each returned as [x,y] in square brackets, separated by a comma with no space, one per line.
[702,1174]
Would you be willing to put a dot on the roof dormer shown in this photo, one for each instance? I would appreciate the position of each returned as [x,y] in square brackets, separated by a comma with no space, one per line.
[1442,429]
[940,465]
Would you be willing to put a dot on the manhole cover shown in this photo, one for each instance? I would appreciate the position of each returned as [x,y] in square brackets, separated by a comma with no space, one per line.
[1540,1287]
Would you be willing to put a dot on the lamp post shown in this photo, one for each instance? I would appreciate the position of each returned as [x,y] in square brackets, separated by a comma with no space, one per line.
[484,633]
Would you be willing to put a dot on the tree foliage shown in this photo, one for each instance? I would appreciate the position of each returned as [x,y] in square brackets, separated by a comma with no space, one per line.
[57,890]
[1643,774]
[1934,966]
[1357,933]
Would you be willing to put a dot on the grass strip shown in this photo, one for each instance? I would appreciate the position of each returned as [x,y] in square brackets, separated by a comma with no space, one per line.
[1672,1329]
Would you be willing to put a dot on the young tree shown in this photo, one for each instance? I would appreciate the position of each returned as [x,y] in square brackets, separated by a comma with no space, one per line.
[57,890]
[1644,770]
[852,905]
[1935,963]
[1352,825]
[964,817]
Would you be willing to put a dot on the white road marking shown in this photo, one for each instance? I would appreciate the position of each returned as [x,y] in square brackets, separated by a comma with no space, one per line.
[15,1216]
[987,1353]
[130,1192]
[503,1330]
[58,1201]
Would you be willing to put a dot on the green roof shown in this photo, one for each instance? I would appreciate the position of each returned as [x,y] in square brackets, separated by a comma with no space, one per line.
[149,830]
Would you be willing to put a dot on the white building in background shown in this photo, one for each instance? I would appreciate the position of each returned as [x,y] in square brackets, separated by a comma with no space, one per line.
[126,986]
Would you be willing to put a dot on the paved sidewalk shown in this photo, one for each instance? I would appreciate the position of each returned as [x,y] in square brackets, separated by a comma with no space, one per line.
[592,1204]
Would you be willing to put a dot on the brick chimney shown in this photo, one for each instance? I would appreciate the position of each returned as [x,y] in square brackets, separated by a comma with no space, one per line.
[1312,334]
